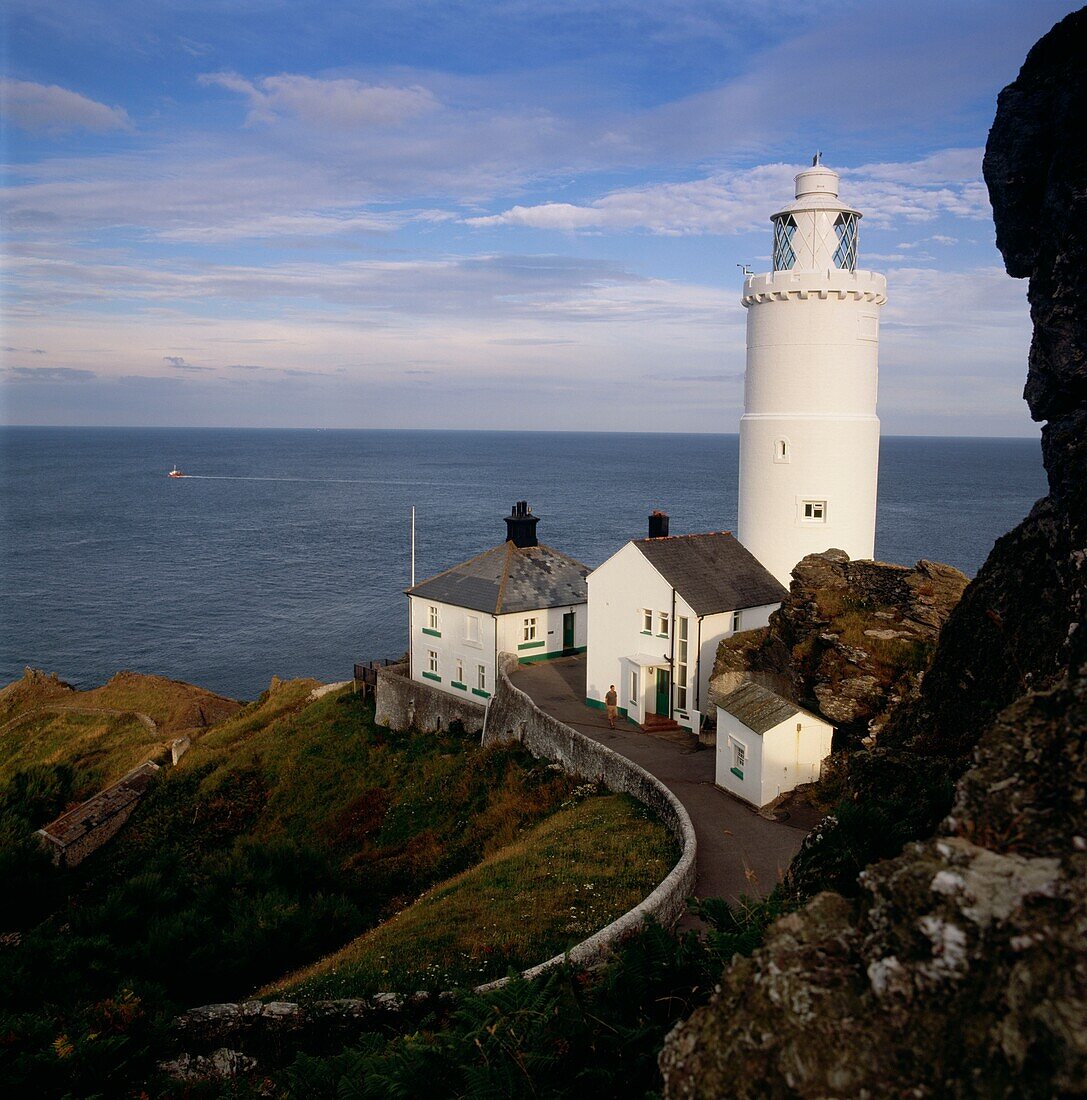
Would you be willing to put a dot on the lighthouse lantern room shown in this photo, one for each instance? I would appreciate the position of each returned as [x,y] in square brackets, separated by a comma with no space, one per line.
[809,436]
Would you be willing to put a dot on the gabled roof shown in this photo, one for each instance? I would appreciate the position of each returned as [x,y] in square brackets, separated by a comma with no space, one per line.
[507,579]
[759,708]
[712,572]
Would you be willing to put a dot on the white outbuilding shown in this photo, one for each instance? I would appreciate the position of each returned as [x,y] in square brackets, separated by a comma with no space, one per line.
[518,597]
[658,609]
[766,744]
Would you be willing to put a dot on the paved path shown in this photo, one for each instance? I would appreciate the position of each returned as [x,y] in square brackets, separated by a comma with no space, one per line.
[739,852]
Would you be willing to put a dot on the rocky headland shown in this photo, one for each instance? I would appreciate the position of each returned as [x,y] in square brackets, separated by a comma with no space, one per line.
[958,968]
[852,641]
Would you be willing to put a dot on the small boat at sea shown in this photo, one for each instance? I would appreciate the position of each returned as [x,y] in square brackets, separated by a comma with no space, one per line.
[175,472]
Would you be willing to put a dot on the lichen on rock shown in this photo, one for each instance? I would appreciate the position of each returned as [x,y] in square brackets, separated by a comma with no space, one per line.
[959,969]
[851,641]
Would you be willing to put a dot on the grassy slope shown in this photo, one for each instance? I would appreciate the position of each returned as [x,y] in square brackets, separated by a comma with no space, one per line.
[97,733]
[557,884]
[99,748]
[288,831]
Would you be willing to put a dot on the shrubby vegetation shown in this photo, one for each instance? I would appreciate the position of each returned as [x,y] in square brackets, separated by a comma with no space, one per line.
[566,1034]
[286,831]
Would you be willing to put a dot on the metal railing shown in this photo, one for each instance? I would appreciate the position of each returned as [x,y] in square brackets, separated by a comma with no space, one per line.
[365,675]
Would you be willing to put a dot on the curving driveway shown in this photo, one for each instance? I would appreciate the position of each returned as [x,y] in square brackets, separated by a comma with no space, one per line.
[739,852]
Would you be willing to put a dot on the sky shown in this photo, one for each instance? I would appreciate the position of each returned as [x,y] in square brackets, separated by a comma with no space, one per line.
[519,214]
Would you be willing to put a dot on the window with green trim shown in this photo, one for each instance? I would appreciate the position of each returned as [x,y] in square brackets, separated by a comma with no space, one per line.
[528,629]
[739,755]
[432,617]
[432,660]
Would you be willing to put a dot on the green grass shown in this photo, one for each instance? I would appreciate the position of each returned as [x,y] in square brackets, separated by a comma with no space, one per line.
[98,748]
[97,734]
[290,830]
[556,885]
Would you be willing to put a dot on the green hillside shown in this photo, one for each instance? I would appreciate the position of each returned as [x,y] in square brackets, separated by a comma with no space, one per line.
[559,883]
[287,832]
[82,741]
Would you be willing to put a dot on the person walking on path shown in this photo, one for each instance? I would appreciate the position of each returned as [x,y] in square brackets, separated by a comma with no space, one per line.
[611,701]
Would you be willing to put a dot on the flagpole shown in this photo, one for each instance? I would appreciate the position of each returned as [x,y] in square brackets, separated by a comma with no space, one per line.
[413,546]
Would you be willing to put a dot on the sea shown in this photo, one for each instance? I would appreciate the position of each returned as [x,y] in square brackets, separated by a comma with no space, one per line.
[288,552]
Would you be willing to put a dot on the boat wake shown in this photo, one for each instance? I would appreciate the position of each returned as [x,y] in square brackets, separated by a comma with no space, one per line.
[308,480]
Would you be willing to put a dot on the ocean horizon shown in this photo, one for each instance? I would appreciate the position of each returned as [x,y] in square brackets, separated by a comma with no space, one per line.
[286,551]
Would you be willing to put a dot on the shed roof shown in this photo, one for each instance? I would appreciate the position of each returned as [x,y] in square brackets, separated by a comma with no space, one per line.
[712,572]
[507,579]
[759,708]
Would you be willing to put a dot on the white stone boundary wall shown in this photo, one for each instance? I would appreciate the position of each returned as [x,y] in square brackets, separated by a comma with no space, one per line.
[513,716]
[403,704]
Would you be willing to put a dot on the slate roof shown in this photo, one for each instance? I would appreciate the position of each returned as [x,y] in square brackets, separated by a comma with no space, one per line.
[712,572]
[508,579]
[759,708]
[87,816]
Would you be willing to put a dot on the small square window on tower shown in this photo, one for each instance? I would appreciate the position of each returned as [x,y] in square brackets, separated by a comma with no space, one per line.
[813,511]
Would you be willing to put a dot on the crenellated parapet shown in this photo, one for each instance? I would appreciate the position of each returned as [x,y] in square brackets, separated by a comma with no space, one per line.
[781,286]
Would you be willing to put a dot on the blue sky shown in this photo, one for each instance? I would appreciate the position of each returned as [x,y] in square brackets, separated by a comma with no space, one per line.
[518,214]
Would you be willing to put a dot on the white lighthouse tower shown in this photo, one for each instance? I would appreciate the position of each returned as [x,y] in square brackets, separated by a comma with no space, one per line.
[809,436]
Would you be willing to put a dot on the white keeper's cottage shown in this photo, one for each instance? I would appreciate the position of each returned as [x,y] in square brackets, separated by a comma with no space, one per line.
[766,744]
[657,610]
[518,597]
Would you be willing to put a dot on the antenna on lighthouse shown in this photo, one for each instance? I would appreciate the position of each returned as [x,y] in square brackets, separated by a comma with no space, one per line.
[745,269]
[815,161]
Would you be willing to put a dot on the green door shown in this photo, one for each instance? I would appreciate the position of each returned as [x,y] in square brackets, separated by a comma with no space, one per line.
[568,630]
[663,680]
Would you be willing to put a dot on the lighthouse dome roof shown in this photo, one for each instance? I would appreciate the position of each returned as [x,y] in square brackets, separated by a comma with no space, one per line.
[817,189]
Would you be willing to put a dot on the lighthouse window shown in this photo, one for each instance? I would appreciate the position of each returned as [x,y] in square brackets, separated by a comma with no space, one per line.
[784,231]
[781,450]
[845,256]
[815,511]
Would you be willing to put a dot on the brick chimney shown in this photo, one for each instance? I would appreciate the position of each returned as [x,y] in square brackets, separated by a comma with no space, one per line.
[658,525]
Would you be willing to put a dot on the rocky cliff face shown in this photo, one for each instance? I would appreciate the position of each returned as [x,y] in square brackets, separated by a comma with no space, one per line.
[851,642]
[961,967]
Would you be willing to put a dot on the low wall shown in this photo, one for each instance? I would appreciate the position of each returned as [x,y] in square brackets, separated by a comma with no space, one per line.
[402,704]
[513,716]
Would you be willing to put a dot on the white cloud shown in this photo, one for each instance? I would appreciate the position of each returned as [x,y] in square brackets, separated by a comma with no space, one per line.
[51,109]
[341,103]
[739,201]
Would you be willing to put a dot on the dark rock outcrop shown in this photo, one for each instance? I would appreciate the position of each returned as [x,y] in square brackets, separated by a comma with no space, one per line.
[960,970]
[851,642]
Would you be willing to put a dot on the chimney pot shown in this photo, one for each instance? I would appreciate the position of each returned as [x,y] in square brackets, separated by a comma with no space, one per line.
[521,525]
